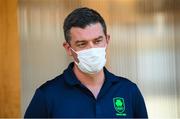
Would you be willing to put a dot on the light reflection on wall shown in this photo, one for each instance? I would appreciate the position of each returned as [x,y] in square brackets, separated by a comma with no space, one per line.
[144,46]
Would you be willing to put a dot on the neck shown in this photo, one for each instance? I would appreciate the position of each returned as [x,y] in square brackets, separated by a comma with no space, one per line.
[89,79]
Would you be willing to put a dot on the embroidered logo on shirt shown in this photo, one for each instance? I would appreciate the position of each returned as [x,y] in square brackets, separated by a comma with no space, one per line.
[119,106]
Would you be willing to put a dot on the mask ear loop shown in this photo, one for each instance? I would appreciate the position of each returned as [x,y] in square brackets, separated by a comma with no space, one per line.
[73,50]
[76,57]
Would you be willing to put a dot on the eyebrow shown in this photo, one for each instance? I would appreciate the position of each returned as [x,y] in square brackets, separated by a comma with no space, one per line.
[98,38]
[81,41]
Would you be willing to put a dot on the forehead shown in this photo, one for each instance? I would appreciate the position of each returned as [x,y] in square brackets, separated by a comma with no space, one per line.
[88,33]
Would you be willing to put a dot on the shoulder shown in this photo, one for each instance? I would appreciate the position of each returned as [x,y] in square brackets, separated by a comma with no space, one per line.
[128,87]
[118,79]
[52,84]
[125,83]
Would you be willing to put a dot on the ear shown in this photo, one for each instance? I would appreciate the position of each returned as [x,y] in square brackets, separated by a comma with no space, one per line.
[69,52]
[107,38]
[67,48]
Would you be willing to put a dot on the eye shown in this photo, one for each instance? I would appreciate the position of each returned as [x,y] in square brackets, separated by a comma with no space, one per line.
[98,41]
[81,45]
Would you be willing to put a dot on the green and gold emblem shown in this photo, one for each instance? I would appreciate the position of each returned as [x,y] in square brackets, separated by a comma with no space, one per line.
[119,106]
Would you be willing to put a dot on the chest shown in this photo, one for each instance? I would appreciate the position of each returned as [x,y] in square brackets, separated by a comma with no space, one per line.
[81,103]
[95,90]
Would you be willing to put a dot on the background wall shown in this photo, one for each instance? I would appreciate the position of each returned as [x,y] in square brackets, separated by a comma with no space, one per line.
[144,46]
[9,60]
[177,46]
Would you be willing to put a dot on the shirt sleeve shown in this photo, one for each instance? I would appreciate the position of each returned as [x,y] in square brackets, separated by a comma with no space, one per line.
[140,110]
[37,107]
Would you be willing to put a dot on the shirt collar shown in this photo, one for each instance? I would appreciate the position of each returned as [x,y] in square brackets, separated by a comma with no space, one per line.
[71,78]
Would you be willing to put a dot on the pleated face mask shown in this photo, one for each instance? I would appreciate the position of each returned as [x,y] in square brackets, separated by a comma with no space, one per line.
[91,60]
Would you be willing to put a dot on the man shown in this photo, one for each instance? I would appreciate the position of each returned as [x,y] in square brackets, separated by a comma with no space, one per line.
[86,89]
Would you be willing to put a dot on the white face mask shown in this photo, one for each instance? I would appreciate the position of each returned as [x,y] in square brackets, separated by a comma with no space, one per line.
[91,60]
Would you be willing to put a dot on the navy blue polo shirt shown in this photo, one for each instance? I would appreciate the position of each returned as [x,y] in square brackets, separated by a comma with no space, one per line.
[66,97]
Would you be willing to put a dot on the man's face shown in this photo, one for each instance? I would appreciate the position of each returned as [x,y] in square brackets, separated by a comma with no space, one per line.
[92,36]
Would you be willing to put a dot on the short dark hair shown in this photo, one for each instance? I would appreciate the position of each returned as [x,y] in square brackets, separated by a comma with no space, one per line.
[81,17]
